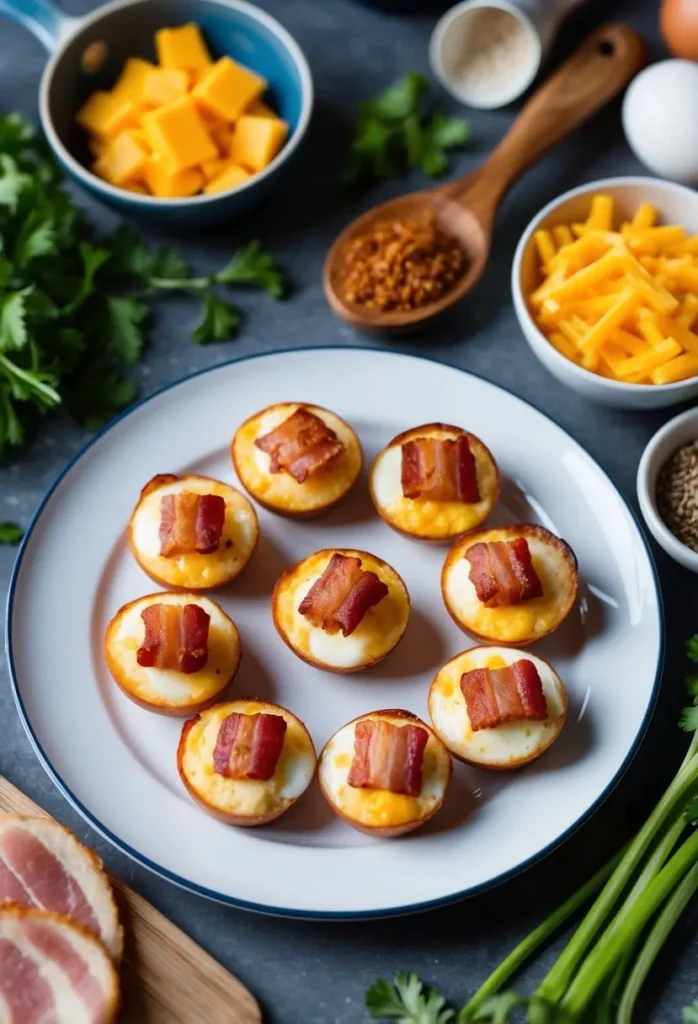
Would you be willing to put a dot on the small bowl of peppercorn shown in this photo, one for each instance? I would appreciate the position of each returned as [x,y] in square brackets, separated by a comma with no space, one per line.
[667,488]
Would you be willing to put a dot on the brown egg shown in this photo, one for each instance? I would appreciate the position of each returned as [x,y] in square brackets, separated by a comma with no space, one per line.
[679,24]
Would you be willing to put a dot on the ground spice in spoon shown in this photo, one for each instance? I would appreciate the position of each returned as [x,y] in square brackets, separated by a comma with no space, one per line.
[401,264]
[677,494]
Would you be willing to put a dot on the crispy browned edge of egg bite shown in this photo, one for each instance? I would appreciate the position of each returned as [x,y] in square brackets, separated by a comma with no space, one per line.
[352,552]
[178,711]
[277,509]
[408,435]
[159,480]
[516,530]
[521,762]
[242,820]
[387,831]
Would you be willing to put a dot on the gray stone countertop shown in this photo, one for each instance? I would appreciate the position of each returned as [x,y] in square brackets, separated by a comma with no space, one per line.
[316,973]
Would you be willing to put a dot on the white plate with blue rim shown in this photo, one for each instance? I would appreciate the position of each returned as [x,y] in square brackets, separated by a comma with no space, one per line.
[115,762]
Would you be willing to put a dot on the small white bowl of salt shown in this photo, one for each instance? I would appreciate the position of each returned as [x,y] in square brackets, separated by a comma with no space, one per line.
[486,53]
[667,488]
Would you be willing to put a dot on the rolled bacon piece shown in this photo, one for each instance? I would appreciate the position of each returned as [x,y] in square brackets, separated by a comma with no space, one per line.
[388,756]
[340,598]
[176,637]
[190,523]
[502,573]
[249,746]
[494,696]
[301,445]
[439,470]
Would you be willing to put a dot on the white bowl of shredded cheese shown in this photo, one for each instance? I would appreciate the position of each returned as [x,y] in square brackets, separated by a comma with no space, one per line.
[486,53]
[667,488]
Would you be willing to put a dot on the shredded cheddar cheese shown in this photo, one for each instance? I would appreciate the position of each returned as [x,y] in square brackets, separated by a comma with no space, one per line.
[623,302]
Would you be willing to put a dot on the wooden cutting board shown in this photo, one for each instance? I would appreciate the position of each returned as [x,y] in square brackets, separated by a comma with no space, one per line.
[166,978]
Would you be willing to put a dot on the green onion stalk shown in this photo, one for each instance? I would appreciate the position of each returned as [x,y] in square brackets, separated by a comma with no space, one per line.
[598,972]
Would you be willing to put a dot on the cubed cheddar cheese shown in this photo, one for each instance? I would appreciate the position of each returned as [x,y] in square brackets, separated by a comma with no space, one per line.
[167,185]
[107,116]
[222,135]
[260,109]
[231,177]
[212,168]
[227,89]
[123,161]
[257,140]
[182,47]
[163,85]
[179,136]
[129,84]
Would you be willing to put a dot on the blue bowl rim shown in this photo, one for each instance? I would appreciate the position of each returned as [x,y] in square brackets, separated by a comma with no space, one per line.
[91,181]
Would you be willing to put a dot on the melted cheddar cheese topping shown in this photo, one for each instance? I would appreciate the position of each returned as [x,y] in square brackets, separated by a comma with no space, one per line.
[248,797]
[519,623]
[509,744]
[195,571]
[435,520]
[282,491]
[379,808]
[376,635]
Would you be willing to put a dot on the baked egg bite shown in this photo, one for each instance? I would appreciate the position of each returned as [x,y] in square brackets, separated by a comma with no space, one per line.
[295,459]
[172,653]
[340,609]
[246,761]
[192,532]
[386,773]
[496,707]
[434,482]
[511,585]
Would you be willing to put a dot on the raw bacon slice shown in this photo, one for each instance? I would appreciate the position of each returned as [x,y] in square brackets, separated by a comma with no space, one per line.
[439,470]
[340,598]
[176,637]
[494,696]
[301,445]
[249,746]
[43,865]
[502,573]
[388,756]
[190,523]
[53,971]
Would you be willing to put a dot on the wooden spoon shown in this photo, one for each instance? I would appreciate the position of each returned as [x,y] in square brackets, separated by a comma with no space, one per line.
[466,208]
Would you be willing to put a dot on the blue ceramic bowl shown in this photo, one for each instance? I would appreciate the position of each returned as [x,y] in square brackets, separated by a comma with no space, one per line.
[127,29]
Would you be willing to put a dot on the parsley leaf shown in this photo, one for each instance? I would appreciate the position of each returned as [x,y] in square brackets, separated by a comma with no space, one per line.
[689,1014]
[218,323]
[689,719]
[12,182]
[407,1001]
[123,320]
[170,265]
[393,131]
[252,265]
[36,238]
[691,683]
[10,533]
[13,328]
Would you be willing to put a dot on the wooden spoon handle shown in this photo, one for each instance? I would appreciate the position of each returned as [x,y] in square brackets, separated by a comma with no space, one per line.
[592,77]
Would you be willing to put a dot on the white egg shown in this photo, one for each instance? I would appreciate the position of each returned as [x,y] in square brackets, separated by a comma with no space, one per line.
[660,119]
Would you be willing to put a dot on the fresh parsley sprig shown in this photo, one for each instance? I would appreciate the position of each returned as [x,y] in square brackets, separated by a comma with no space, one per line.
[393,131]
[689,1014]
[407,1001]
[74,309]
